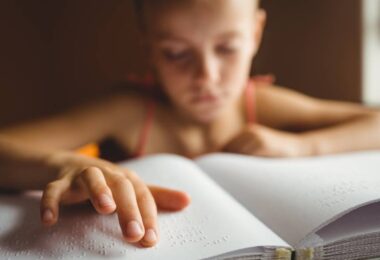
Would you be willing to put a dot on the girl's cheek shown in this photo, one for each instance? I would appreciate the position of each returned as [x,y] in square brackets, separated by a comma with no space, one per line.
[177,77]
[173,78]
[231,69]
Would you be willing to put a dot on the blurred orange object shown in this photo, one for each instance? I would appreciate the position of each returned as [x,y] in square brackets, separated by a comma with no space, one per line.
[91,150]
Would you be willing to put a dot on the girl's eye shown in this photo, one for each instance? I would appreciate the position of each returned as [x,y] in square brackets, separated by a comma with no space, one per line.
[175,55]
[226,50]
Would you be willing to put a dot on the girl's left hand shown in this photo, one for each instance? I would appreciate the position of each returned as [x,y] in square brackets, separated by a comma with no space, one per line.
[260,140]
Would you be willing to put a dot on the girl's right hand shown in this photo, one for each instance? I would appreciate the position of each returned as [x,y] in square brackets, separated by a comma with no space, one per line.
[109,188]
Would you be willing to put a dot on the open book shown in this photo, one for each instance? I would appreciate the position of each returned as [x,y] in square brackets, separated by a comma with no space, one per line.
[242,208]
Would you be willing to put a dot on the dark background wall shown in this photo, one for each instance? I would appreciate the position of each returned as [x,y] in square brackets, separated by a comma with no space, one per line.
[54,54]
[314,46]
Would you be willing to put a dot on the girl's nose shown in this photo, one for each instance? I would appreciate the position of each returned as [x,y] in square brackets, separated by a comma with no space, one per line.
[207,71]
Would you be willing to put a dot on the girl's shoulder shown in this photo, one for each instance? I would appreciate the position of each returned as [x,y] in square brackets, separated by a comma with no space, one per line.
[133,102]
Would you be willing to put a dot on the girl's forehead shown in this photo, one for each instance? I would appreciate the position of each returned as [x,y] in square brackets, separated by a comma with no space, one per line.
[213,5]
[203,18]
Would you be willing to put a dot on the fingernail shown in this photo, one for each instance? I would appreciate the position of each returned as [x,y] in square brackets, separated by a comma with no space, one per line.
[105,200]
[47,216]
[150,236]
[134,229]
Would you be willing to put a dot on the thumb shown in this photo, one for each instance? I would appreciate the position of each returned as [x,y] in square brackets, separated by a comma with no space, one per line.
[168,199]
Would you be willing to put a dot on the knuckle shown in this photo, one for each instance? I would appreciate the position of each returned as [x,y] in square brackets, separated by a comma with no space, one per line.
[149,222]
[48,201]
[89,172]
[132,173]
[52,186]
[134,210]
[91,168]
[98,188]
[145,197]
[110,168]
[119,180]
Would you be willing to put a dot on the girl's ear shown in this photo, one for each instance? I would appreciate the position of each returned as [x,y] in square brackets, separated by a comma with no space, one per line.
[260,21]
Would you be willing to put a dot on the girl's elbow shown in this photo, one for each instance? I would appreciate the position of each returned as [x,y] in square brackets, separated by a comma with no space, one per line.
[373,117]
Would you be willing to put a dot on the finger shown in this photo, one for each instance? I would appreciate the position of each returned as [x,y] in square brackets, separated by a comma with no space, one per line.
[50,201]
[100,194]
[127,208]
[233,145]
[236,144]
[250,148]
[264,153]
[168,199]
[148,210]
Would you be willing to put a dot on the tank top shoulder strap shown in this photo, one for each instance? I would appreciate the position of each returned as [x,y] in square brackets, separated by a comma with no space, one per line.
[249,102]
[146,82]
[250,97]
[146,129]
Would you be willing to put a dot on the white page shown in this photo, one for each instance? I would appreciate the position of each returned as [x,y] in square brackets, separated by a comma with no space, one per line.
[295,197]
[213,224]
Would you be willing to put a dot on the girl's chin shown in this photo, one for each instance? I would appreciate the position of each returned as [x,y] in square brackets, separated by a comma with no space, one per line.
[202,114]
[206,116]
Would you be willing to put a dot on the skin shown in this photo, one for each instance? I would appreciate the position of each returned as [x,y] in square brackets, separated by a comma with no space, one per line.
[202,66]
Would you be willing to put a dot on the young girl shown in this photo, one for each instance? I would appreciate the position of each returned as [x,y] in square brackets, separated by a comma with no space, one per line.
[202,101]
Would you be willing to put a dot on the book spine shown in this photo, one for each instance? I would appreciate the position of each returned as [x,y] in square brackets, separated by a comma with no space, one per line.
[283,254]
[304,254]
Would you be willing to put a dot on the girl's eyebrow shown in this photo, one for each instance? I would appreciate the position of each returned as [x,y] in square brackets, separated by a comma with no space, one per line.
[166,36]
[230,34]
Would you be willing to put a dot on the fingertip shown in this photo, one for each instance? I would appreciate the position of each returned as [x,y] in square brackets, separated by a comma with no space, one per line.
[185,200]
[108,210]
[150,238]
[47,217]
[169,199]
[133,232]
[177,200]
[181,201]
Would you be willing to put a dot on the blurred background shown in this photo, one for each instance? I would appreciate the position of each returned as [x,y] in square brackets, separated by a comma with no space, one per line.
[55,54]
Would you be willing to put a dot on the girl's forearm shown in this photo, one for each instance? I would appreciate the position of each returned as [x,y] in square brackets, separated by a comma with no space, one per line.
[23,167]
[361,133]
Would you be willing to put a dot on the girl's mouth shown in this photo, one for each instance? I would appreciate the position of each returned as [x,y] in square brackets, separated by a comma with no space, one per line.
[205,99]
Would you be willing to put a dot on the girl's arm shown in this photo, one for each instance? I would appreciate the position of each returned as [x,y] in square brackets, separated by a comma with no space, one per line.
[23,167]
[326,126]
[87,123]
[292,124]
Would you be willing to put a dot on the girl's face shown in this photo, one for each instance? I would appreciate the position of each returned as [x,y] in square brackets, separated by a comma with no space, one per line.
[202,52]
